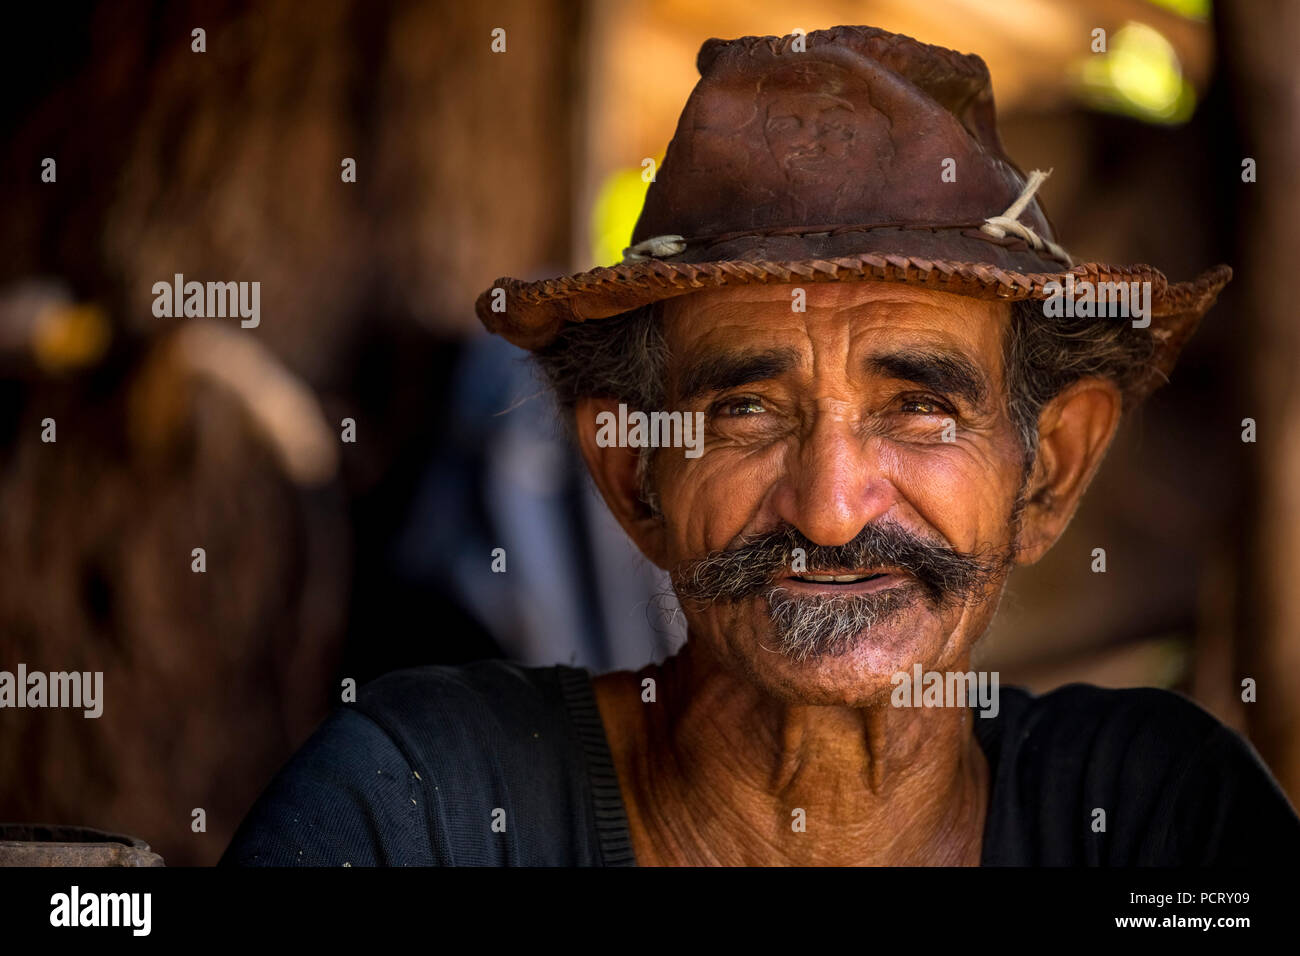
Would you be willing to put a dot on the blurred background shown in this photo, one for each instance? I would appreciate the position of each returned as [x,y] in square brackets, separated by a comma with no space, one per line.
[331,559]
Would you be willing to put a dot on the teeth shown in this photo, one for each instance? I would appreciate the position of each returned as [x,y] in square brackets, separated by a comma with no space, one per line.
[834,578]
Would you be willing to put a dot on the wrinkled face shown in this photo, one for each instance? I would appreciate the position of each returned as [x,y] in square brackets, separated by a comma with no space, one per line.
[852,511]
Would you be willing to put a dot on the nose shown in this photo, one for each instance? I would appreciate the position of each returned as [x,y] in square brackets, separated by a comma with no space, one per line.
[835,485]
[804,136]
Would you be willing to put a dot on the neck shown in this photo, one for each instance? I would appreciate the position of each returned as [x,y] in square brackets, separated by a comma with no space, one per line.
[715,770]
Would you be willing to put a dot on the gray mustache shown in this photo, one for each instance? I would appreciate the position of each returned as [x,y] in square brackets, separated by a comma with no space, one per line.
[753,567]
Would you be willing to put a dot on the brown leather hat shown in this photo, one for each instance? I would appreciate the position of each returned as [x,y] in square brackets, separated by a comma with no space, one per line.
[851,154]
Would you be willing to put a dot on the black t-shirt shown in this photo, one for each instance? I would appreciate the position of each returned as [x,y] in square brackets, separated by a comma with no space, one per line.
[494,764]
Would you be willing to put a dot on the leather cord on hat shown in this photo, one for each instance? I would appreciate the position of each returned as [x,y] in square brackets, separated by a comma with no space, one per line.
[998,227]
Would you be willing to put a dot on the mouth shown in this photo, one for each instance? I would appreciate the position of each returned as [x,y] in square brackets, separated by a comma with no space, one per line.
[844,582]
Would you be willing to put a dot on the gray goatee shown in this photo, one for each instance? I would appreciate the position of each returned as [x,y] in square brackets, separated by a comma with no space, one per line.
[828,625]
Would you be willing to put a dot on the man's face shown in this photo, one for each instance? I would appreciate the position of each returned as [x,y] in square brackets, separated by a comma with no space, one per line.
[809,134]
[865,438]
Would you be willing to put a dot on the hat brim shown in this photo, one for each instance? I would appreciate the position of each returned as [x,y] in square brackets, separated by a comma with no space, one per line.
[535,312]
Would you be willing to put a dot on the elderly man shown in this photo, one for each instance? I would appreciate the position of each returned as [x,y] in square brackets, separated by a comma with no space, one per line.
[902,387]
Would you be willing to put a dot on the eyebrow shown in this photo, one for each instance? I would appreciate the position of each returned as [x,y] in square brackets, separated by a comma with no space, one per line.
[719,371]
[951,373]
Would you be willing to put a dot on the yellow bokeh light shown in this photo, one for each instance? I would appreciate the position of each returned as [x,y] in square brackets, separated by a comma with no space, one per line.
[615,212]
[70,337]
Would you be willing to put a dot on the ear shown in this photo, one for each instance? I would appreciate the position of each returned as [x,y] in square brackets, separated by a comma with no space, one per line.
[1074,431]
[614,470]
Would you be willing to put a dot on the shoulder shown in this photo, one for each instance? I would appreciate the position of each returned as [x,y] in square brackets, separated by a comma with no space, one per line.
[460,700]
[1130,777]
[475,764]
[1130,719]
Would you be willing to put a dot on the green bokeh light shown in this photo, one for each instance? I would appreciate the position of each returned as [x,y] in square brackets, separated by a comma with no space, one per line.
[1139,76]
[1192,9]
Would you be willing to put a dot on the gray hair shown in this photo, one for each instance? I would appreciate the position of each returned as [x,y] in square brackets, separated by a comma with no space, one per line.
[625,358]
[1043,355]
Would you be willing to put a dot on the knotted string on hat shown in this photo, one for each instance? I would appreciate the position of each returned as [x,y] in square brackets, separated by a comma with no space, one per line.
[1009,221]
[656,247]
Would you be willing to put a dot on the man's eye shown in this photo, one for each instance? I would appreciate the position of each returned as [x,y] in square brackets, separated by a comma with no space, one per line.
[738,407]
[925,406]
